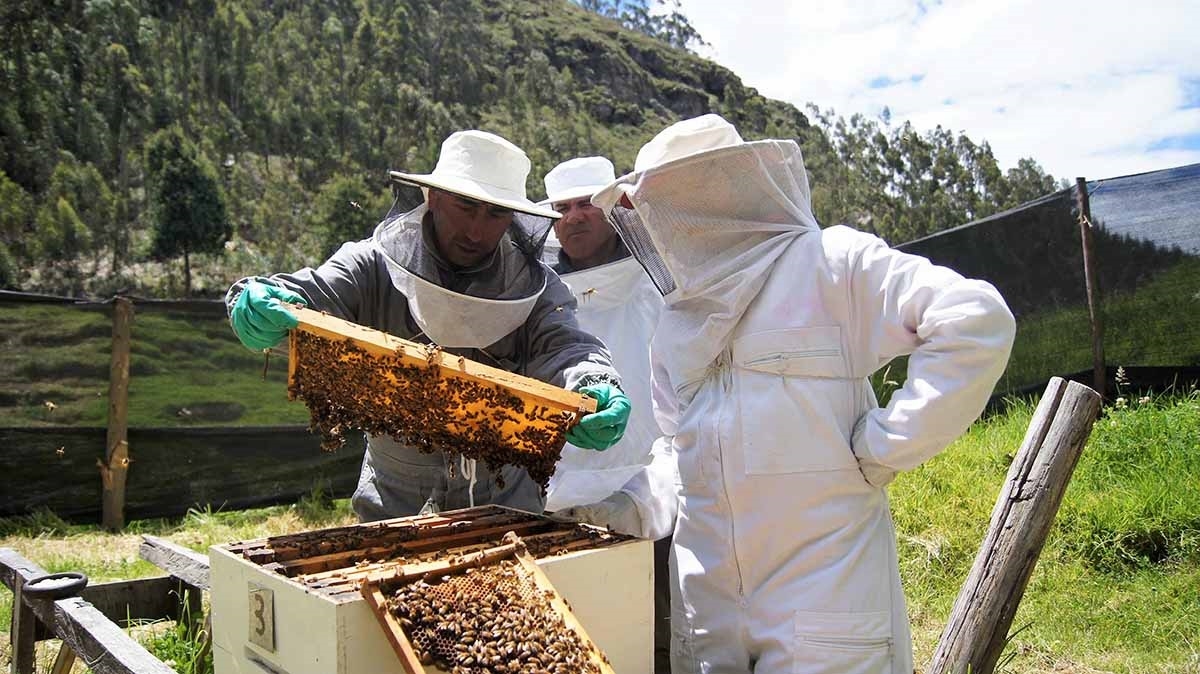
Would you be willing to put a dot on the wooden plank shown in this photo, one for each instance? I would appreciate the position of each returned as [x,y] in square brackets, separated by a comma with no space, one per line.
[560,607]
[24,627]
[341,560]
[382,344]
[127,602]
[392,629]
[183,563]
[22,633]
[92,636]
[82,627]
[64,661]
[405,572]
[1037,479]
[123,601]
[331,582]
[115,467]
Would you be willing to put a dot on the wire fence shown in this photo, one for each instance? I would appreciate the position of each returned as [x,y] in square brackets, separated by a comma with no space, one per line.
[211,426]
[1145,250]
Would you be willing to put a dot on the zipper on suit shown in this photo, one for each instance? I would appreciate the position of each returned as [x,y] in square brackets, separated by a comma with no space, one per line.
[781,356]
[725,372]
[846,643]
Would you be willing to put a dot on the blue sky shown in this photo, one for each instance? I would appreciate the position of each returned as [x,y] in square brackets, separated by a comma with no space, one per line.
[1094,89]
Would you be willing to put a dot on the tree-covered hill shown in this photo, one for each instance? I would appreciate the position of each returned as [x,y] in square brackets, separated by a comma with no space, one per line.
[140,138]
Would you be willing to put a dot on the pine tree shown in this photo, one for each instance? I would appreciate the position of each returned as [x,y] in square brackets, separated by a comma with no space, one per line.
[186,201]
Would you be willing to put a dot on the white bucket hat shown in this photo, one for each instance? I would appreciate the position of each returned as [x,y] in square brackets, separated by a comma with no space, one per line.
[579,177]
[682,140]
[481,166]
[685,139]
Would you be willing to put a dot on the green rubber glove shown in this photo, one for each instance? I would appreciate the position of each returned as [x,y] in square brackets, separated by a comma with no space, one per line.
[603,428]
[259,318]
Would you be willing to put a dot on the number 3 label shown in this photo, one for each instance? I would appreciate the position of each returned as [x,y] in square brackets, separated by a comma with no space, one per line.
[262,618]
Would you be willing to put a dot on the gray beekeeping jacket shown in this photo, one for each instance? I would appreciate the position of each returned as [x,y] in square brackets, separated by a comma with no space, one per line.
[398,480]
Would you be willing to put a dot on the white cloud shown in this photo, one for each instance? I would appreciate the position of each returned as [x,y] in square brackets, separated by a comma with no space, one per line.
[1097,89]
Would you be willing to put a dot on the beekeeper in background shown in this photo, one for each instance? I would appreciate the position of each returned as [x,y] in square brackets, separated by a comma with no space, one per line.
[618,303]
[630,487]
[461,270]
[784,555]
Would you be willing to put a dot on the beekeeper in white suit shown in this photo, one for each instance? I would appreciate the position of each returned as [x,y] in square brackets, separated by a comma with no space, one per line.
[630,487]
[618,303]
[784,554]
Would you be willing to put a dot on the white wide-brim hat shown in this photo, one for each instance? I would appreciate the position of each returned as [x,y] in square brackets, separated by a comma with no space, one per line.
[480,166]
[680,142]
[575,178]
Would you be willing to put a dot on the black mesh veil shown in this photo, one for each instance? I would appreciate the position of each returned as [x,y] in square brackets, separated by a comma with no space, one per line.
[637,239]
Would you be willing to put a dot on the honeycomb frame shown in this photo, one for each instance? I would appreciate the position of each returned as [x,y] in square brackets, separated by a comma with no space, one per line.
[354,377]
[489,611]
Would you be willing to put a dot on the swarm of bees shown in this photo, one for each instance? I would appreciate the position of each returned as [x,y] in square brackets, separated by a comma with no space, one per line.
[346,388]
[489,619]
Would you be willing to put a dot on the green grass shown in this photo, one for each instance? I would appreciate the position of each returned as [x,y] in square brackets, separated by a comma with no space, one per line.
[1115,588]
[185,370]
[179,646]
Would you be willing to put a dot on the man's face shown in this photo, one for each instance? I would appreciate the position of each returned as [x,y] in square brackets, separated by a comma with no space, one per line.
[467,231]
[582,230]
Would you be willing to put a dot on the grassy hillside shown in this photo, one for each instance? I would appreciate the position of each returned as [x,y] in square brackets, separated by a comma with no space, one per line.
[1114,590]
[185,369]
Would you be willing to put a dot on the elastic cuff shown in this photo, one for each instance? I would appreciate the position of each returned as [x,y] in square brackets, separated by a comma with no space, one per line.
[597,378]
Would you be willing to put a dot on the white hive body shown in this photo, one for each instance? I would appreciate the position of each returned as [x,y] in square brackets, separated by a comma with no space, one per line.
[291,604]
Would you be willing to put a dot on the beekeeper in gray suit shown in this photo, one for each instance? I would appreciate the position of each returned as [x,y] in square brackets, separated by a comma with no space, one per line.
[462,271]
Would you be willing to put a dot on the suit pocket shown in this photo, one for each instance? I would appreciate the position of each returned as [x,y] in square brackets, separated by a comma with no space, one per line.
[796,352]
[843,643]
[796,401]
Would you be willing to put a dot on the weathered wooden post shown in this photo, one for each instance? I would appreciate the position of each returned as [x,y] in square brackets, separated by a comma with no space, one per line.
[1037,480]
[21,631]
[116,455]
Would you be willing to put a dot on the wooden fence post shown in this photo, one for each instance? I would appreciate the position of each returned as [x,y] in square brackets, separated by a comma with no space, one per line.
[1089,281]
[21,634]
[116,456]
[1038,478]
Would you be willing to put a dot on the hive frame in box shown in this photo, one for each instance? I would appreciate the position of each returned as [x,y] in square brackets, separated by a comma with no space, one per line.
[376,585]
[368,379]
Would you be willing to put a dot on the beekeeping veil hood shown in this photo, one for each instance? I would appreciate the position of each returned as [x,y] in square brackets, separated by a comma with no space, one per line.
[711,215]
[477,306]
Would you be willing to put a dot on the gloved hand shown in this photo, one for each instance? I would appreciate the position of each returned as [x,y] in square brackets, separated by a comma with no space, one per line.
[259,319]
[617,512]
[604,427]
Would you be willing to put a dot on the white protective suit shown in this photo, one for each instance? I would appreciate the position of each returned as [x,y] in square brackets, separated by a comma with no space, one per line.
[784,557]
[618,303]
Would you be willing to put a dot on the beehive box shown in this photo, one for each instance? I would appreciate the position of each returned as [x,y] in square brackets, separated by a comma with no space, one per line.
[354,377]
[293,603]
